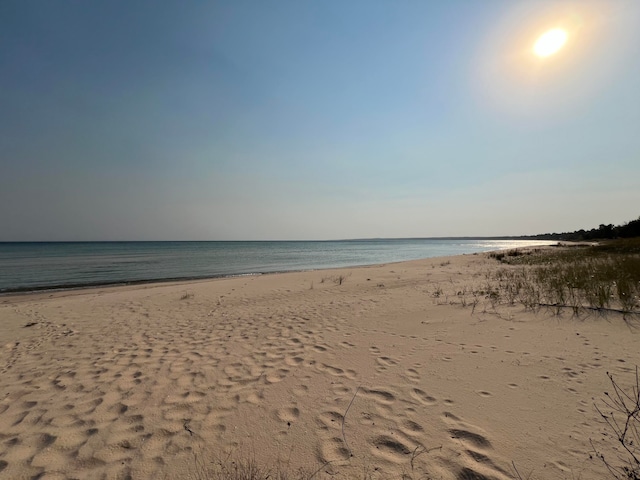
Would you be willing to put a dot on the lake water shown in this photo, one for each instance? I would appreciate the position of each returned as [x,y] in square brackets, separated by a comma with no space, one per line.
[32,266]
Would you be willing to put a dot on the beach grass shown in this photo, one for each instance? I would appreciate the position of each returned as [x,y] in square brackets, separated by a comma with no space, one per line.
[602,278]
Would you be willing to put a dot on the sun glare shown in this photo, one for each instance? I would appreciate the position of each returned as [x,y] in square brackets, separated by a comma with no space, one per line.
[550,42]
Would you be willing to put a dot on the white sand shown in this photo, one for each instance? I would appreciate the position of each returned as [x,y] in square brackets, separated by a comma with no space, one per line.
[132,382]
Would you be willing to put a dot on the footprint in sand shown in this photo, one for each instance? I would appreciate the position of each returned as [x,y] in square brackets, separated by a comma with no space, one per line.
[332,450]
[412,374]
[300,390]
[368,418]
[288,414]
[336,371]
[339,388]
[329,420]
[471,438]
[423,397]
[392,449]
[386,361]
[277,376]
[294,342]
[569,372]
[293,361]
[483,393]
[409,427]
[379,395]
[255,397]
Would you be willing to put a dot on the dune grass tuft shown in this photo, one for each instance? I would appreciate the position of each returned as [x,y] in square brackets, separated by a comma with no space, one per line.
[603,278]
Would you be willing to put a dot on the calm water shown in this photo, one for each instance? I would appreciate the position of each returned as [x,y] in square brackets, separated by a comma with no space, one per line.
[27,266]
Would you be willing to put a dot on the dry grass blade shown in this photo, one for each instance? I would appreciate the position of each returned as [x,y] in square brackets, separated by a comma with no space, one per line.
[623,420]
[343,419]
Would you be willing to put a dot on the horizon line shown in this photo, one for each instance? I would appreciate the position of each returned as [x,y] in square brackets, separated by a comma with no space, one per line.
[465,237]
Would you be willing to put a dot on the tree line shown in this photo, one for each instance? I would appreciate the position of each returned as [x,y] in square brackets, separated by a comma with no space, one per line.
[603,232]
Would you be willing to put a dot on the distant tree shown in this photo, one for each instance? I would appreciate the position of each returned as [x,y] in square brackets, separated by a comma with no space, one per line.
[629,229]
[626,230]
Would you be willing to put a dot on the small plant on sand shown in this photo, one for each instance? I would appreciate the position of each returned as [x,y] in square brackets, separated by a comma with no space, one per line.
[337,279]
[245,468]
[497,256]
[621,413]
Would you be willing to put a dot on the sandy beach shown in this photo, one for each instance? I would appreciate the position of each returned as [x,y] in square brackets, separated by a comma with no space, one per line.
[373,372]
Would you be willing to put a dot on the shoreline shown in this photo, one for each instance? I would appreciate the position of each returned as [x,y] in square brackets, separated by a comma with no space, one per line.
[334,375]
[166,272]
[124,283]
[88,288]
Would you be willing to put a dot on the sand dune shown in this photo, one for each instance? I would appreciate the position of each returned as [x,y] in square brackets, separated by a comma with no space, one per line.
[383,375]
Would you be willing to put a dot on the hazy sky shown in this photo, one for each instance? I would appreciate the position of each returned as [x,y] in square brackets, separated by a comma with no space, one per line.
[135,120]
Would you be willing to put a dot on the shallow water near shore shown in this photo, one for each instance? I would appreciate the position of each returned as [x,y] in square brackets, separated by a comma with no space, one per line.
[42,265]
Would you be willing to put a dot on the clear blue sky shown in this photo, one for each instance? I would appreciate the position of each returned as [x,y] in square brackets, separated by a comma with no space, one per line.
[172,120]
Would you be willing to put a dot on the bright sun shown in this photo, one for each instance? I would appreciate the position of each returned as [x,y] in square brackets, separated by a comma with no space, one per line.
[550,42]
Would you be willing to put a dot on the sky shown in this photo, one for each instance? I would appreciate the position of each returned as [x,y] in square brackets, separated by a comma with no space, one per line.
[253,120]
